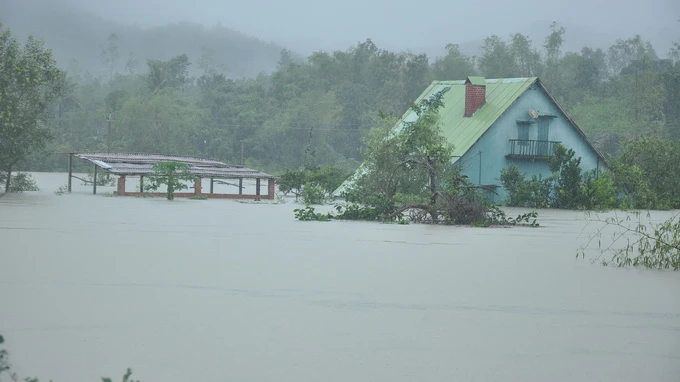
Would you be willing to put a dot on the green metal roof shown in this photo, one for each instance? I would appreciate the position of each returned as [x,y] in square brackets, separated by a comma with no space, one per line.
[463,132]
[479,81]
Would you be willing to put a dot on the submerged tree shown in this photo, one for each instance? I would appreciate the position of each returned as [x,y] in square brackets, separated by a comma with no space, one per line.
[636,242]
[29,82]
[173,175]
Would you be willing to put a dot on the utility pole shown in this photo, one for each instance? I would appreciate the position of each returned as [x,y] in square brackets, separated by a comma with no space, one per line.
[110,120]
[242,163]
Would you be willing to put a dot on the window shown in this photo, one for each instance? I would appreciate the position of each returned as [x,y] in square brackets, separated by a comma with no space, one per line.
[523,131]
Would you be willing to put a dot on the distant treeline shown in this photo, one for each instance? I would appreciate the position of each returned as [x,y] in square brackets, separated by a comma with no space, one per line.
[319,110]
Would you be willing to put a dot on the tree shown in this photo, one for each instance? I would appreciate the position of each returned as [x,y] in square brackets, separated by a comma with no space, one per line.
[553,45]
[29,82]
[636,242]
[453,66]
[567,173]
[648,174]
[172,175]
[168,74]
[497,59]
[409,161]
[527,59]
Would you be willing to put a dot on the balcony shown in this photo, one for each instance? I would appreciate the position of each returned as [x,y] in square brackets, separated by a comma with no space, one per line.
[531,149]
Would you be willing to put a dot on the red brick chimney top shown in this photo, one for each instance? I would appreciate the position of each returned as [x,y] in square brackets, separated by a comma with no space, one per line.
[475,94]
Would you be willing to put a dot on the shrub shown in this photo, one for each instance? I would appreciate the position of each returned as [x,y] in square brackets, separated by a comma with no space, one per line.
[599,192]
[312,194]
[462,209]
[534,193]
[20,182]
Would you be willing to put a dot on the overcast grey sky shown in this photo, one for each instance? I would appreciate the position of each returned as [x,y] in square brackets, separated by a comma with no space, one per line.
[405,24]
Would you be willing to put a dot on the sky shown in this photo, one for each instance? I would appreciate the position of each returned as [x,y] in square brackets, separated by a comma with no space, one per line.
[311,25]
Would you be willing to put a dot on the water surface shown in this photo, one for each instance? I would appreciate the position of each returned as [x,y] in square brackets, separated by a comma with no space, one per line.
[219,290]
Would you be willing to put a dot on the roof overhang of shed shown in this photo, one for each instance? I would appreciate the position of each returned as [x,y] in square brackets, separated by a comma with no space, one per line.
[142,164]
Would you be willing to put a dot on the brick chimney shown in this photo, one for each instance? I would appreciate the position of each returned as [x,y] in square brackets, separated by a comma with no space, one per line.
[475,94]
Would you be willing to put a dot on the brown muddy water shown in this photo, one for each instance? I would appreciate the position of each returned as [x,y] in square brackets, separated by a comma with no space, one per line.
[219,290]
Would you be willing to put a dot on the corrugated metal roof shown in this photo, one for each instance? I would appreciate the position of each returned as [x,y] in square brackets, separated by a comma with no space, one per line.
[479,81]
[142,164]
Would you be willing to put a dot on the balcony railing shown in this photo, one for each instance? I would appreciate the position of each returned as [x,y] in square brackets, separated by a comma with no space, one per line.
[531,149]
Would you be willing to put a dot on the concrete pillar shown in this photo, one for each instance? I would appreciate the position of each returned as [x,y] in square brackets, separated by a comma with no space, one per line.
[271,188]
[121,185]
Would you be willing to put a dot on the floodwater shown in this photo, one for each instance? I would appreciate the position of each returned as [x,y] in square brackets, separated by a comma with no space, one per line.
[220,290]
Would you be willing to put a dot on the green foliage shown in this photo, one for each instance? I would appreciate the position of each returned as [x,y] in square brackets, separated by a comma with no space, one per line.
[370,207]
[168,74]
[308,214]
[637,242]
[172,175]
[20,182]
[497,216]
[4,358]
[464,208]
[127,377]
[312,194]
[29,82]
[61,190]
[568,187]
[599,192]
[314,184]
[327,178]
[103,179]
[6,367]
[409,160]
[568,181]
[648,174]
[534,193]
[292,181]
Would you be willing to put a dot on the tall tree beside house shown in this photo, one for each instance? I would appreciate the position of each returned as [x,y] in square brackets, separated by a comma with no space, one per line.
[453,66]
[552,75]
[497,59]
[29,82]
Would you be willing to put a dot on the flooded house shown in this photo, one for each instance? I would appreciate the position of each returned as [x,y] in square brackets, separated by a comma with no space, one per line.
[493,123]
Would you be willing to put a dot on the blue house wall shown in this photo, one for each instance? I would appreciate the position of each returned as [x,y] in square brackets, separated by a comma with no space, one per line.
[483,162]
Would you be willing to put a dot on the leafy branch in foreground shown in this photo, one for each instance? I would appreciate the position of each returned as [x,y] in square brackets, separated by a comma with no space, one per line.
[6,367]
[126,378]
[637,242]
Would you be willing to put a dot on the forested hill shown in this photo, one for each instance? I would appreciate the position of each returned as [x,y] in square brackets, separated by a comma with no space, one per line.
[77,39]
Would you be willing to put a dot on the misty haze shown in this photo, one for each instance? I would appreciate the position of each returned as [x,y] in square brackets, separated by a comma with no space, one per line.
[340,191]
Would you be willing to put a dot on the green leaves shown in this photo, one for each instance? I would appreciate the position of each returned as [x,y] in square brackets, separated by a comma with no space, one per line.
[172,175]
[29,82]
[637,242]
